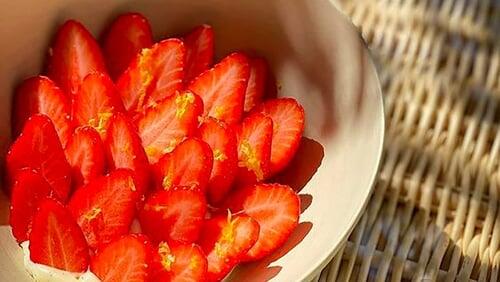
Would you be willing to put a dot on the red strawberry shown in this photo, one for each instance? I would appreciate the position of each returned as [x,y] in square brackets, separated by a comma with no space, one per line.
[153,74]
[164,126]
[288,127]
[256,83]
[225,240]
[124,260]
[124,150]
[127,36]
[190,163]
[254,148]
[199,44]
[85,154]
[74,54]
[38,147]
[223,87]
[39,94]
[56,240]
[179,263]
[29,189]
[105,207]
[175,215]
[95,102]
[222,141]
[275,207]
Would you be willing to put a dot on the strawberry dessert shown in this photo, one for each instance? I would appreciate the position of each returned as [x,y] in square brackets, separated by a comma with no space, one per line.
[137,160]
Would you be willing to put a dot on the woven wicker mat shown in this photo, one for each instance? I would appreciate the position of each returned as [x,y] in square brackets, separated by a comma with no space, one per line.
[435,211]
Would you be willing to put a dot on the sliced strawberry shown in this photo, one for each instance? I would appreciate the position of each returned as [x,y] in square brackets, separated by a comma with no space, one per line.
[56,240]
[223,87]
[38,147]
[164,126]
[154,74]
[189,164]
[175,215]
[85,154]
[95,102]
[179,263]
[126,37]
[222,140]
[275,207]
[288,126]
[254,148]
[74,54]
[124,150]
[256,83]
[199,50]
[39,94]
[225,240]
[105,207]
[124,260]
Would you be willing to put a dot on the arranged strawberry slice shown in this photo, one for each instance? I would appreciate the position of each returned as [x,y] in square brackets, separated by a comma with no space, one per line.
[225,241]
[28,190]
[95,102]
[40,95]
[222,140]
[127,36]
[254,148]
[74,54]
[179,263]
[275,207]
[164,126]
[154,74]
[38,147]
[223,87]
[85,154]
[126,259]
[105,207]
[124,150]
[288,126]
[257,83]
[175,215]
[189,164]
[56,240]
[200,49]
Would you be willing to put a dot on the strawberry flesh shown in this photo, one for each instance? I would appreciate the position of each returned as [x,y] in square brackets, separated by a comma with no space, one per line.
[256,83]
[199,44]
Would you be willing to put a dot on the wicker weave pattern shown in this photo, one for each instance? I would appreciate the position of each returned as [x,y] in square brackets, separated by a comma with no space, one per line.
[435,211]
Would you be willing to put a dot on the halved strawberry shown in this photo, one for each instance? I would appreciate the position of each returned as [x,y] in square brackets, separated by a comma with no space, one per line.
[154,74]
[164,126]
[56,240]
[126,37]
[288,126]
[28,190]
[175,215]
[223,87]
[275,207]
[225,240]
[95,102]
[38,147]
[124,150]
[199,44]
[105,207]
[222,141]
[189,164]
[40,95]
[85,154]
[73,55]
[178,263]
[123,260]
[256,82]
[254,148]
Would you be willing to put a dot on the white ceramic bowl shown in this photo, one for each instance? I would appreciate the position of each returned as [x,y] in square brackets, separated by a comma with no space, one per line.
[318,58]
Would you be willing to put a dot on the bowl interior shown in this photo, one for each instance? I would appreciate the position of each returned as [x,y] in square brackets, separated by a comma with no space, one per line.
[316,56]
